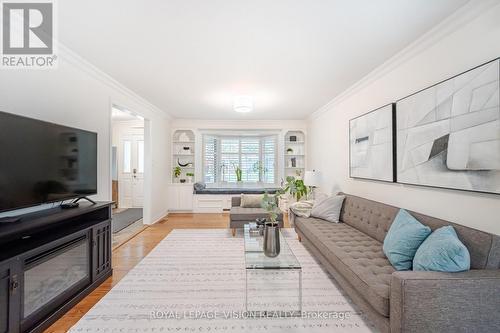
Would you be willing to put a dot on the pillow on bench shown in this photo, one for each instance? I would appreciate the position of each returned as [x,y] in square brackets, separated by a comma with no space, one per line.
[251,200]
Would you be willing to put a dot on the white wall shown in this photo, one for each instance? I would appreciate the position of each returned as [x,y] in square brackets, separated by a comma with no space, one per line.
[79,95]
[428,61]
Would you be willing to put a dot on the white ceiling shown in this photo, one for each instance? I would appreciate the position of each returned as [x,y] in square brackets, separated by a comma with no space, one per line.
[190,57]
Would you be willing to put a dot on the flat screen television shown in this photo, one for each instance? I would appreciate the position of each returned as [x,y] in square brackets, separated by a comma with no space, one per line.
[42,162]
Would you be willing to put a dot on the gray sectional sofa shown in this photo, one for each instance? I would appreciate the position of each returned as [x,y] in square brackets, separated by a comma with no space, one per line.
[406,301]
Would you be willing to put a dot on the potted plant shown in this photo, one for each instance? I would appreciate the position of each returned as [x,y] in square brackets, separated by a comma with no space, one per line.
[295,187]
[238,172]
[177,171]
[190,176]
[289,151]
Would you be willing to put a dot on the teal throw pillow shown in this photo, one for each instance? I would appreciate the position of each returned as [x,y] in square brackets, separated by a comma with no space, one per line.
[442,251]
[404,237]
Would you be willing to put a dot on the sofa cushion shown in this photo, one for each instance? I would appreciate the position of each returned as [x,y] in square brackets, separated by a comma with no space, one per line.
[249,214]
[357,256]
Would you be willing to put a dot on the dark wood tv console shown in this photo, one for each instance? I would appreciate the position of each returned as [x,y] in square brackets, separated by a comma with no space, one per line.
[49,261]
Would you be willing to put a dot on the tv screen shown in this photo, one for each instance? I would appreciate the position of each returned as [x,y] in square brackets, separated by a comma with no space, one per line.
[41,162]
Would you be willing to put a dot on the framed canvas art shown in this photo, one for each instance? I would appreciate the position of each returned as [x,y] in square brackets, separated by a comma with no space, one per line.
[448,135]
[371,145]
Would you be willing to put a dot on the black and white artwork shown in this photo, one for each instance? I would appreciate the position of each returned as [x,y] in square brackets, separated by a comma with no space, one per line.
[448,135]
[370,144]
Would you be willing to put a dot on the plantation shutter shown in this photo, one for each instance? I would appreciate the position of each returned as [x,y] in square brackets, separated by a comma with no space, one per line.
[268,171]
[229,159]
[250,159]
[209,159]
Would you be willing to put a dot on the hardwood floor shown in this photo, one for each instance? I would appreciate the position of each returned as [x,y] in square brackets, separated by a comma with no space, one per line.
[129,254]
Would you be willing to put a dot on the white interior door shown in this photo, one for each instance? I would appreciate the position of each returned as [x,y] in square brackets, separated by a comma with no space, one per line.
[131,171]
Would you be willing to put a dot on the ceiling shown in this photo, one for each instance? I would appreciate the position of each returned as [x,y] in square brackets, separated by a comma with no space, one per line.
[190,58]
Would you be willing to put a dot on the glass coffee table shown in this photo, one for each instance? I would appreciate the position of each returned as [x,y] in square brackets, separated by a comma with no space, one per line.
[273,286]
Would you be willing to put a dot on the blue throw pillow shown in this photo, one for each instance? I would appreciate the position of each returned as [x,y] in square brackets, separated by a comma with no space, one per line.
[442,251]
[403,239]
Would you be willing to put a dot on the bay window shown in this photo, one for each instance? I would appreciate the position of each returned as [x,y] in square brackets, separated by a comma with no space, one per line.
[254,155]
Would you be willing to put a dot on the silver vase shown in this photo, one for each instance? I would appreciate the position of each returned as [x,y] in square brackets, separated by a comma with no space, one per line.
[272,240]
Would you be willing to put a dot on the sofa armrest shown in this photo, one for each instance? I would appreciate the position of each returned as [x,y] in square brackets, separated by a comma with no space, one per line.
[236,201]
[445,302]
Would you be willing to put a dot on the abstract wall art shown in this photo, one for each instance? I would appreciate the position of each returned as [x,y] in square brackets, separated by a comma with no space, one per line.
[371,145]
[448,135]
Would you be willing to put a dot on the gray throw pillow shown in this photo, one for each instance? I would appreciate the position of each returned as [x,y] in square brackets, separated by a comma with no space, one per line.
[328,209]
[199,186]
[251,200]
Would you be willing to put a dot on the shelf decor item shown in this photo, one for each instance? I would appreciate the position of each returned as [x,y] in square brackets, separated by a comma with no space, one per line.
[184,165]
[183,137]
[177,171]
[371,145]
[448,135]
[293,138]
[190,176]
[289,151]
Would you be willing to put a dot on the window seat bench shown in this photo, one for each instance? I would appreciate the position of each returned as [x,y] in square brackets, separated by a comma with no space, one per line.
[236,190]
[218,199]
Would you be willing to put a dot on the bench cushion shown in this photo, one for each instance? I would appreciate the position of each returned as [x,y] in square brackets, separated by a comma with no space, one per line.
[357,256]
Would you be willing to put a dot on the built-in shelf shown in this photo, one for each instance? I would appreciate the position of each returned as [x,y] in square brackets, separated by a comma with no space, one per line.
[183,152]
[295,159]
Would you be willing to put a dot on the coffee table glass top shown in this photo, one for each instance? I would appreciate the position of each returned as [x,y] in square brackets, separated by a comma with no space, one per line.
[256,259]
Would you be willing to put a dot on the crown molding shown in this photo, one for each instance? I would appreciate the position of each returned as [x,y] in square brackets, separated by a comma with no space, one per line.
[84,65]
[465,14]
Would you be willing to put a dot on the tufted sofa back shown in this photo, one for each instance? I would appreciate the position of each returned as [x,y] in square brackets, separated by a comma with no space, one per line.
[371,217]
[375,218]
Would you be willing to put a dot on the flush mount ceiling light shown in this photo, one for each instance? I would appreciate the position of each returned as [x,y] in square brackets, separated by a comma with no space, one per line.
[243,104]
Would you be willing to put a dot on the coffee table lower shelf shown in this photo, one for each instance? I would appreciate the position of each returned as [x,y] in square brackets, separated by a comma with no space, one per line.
[273,286]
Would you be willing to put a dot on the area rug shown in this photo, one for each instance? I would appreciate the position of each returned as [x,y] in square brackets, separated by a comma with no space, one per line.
[125,218]
[194,281]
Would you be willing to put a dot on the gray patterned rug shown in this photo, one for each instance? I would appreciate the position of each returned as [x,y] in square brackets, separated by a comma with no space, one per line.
[194,281]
